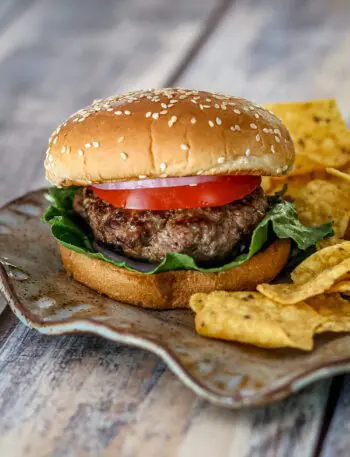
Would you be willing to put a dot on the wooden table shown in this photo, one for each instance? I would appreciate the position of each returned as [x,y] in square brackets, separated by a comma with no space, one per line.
[83,396]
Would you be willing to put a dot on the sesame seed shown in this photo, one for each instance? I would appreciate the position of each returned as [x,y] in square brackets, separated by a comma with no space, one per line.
[217,106]
[256,115]
[155,115]
[164,105]
[245,109]
[208,99]
[80,152]
[206,106]
[258,137]
[265,130]
[184,147]
[118,113]
[127,113]
[124,155]
[237,111]
[277,139]
[142,176]
[273,149]
[253,126]
[238,128]
[164,111]
[211,123]
[170,124]
[88,145]
[277,131]
[173,119]
[248,152]
[121,139]
[201,107]
[251,108]
[50,158]
[63,150]
[95,144]
[224,107]
[55,140]
[193,120]
[221,159]
[162,166]
[148,114]
[174,101]
[218,121]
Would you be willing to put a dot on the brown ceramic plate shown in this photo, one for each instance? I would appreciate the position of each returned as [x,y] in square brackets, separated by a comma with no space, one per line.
[46,299]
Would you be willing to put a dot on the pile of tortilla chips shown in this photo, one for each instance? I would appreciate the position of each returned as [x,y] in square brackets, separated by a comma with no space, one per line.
[283,315]
[320,180]
[317,299]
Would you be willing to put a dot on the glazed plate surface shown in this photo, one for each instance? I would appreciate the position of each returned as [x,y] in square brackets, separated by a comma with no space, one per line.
[43,297]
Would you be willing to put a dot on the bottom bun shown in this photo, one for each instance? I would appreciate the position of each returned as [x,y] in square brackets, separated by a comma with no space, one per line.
[172,289]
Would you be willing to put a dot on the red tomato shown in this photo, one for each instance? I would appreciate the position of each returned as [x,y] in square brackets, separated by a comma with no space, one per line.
[223,190]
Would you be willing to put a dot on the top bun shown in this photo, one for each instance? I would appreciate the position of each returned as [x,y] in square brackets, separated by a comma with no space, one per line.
[167,132]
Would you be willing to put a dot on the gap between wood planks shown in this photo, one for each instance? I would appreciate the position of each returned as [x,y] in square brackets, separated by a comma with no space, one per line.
[333,397]
[209,28]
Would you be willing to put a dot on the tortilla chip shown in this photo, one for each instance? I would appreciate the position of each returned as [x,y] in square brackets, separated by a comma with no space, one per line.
[331,241]
[320,261]
[289,294]
[304,165]
[296,183]
[249,317]
[339,174]
[319,133]
[342,286]
[335,311]
[321,201]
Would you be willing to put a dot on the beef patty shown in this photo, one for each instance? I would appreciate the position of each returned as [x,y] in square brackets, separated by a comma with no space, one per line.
[206,234]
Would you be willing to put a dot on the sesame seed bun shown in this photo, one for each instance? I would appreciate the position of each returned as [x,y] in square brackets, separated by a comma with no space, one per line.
[167,132]
[173,289]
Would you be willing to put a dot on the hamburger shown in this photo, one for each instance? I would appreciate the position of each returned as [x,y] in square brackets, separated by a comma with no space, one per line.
[158,195]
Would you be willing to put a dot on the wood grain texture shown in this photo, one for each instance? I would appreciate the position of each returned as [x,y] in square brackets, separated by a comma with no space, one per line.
[275,51]
[82,396]
[337,440]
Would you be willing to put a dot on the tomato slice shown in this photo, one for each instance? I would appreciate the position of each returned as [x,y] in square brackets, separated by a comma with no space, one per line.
[223,190]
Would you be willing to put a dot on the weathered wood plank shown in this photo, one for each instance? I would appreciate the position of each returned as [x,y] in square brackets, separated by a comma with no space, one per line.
[59,56]
[337,440]
[11,10]
[274,51]
[285,429]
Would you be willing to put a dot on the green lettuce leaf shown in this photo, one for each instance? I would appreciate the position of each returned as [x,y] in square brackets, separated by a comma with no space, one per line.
[281,221]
